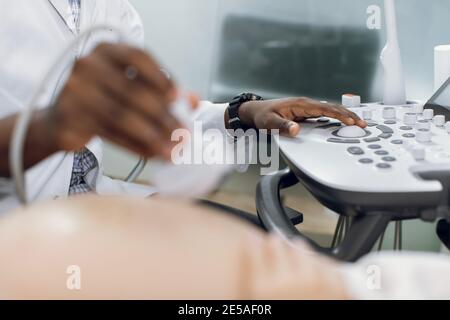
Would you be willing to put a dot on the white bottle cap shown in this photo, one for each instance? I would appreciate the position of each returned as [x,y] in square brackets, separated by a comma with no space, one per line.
[417,108]
[389,113]
[410,119]
[428,114]
[439,121]
[351,101]
[423,135]
[426,125]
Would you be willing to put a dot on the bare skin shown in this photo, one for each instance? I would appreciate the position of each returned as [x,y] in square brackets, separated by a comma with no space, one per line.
[153,249]
[287,114]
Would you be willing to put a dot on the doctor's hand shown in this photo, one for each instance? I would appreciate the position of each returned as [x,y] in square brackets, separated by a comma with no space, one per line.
[285,114]
[118,93]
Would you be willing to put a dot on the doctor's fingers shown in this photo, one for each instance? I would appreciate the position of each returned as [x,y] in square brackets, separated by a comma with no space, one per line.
[309,108]
[125,127]
[132,95]
[275,121]
[88,125]
[148,70]
[341,113]
[344,112]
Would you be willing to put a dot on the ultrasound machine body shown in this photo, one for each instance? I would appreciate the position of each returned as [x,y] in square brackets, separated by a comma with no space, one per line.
[398,168]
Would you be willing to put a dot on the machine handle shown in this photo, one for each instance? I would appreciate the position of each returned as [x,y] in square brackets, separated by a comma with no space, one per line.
[360,239]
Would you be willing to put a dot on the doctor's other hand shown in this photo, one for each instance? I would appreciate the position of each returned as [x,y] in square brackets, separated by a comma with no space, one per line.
[118,93]
[286,114]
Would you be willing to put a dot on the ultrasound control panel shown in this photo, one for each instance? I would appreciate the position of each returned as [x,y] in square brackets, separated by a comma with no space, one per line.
[387,157]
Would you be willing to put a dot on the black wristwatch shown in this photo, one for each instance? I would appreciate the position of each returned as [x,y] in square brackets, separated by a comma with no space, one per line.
[234,120]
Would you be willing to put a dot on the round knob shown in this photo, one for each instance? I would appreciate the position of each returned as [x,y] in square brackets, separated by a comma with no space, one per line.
[447,126]
[367,114]
[352,132]
[418,153]
[410,119]
[424,124]
[417,108]
[351,101]
[423,135]
[389,113]
[439,121]
[428,114]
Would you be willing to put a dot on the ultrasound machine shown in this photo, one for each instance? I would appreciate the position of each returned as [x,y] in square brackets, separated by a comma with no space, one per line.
[396,169]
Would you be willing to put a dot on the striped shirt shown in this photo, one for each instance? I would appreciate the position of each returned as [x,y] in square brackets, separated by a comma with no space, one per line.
[84,161]
[75,7]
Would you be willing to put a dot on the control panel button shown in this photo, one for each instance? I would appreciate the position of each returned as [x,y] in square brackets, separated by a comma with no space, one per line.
[351,101]
[381,153]
[352,132]
[439,121]
[409,135]
[397,142]
[417,108]
[385,129]
[372,140]
[384,166]
[366,161]
[356,151]
[385,136]
[389,159]
[374,147]
[410,119]
[428,114]
[423,124]
[372,124]
[389,113]
[367,114]
[390,122]
[406,128]
[418,153]
[423,135]
[348,141]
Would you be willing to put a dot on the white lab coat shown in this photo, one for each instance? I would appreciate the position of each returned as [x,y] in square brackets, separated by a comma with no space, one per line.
[33,33]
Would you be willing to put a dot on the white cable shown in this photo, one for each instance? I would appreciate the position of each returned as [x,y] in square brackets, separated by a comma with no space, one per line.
[22,125]
[137,170]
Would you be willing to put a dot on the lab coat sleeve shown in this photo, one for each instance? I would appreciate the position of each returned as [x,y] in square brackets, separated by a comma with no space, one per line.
[211,115]
[132,24]
[394,276]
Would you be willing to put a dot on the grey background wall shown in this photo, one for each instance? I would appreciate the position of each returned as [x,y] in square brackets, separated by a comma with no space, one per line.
[182,34]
